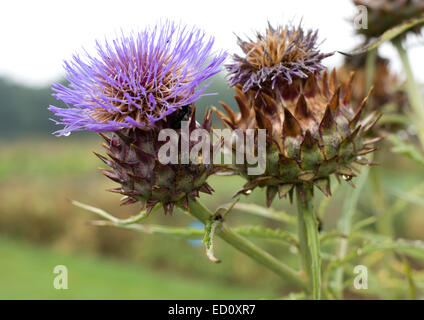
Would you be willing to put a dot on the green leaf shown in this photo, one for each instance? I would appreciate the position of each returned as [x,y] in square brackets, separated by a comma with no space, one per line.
[408,150]
[102,213]
[364,223]
[267,234]
[408,197]
[414,249]
[409,277]
[183,233]
[265,212]
[389,35]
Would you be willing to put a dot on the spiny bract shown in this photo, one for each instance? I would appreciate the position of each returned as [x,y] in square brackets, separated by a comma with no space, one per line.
[134,164]
[310,136]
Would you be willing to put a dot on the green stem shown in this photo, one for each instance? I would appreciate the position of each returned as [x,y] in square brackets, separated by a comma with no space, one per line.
[201,213]
[414,94]
[345,226]
[370,68]
[384,222]
[309,238]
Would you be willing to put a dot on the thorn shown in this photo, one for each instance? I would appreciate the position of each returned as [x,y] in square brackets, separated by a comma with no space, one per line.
[333,80]
[348,94]
[335,100]
[284,189]
[291,128]
[271,192]
[105,137]
[327,121]
[301,111]
[358,112]
[103,158]
[324,186]
[111,175]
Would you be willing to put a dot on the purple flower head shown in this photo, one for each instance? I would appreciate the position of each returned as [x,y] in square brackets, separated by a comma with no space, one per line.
[136,80]
[276,58]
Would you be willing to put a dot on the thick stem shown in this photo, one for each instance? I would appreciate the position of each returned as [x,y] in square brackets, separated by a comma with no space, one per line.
[201,213]
[414,94]
[309,238]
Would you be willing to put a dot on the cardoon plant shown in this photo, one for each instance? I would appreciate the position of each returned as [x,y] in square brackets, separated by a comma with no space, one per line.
[313,130]
[134,87]
[317,127]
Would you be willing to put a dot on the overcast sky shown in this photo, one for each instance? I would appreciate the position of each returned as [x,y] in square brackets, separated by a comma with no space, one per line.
[36,36]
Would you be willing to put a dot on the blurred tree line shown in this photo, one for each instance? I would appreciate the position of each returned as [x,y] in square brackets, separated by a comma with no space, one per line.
[23,109]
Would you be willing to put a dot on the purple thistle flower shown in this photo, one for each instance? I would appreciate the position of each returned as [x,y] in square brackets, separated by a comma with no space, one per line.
[136,80]
[276,58]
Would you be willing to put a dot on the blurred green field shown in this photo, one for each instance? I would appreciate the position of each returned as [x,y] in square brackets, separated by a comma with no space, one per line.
[27,273]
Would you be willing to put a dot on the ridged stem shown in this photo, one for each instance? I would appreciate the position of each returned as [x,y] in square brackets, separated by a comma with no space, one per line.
[413,91]
[201,213]
[309,238]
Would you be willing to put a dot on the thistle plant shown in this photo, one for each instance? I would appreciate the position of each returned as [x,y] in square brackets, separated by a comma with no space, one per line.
[317,122]
[128,93]
[313,131]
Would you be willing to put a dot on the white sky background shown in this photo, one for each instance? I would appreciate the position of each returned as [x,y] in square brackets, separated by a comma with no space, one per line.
[36,36]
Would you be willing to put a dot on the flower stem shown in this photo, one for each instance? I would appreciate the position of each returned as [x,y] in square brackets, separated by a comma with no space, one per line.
[309,238]
[201,213]
[414,94]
